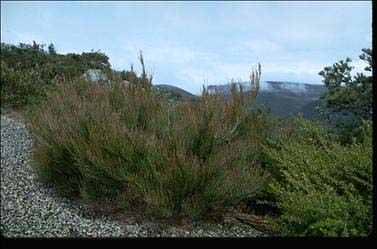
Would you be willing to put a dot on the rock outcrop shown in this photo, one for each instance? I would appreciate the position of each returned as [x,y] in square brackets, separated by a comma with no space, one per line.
[95,75]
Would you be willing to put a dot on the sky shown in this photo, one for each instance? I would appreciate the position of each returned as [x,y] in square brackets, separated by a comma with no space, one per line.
[188,44]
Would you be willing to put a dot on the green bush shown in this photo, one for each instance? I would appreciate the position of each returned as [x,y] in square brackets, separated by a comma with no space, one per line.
[28,72]
[129,148]
[21,87]
[321,188]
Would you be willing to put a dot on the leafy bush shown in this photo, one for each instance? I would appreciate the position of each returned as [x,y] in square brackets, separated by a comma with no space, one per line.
[129,148]
[21,87]
[28,71]
[322,188]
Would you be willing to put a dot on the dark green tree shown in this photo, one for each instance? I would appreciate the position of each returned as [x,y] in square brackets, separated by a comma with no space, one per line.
[347,94]
[350,96]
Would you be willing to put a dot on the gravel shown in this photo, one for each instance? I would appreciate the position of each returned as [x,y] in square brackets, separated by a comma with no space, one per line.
[32,209]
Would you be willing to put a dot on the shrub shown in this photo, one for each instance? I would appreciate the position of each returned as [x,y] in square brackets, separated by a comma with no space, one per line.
[321,188]
[129,148]
[28,72]
[21,87]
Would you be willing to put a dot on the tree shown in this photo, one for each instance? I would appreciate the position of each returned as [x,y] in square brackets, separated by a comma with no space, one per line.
[347,94]
[97,60]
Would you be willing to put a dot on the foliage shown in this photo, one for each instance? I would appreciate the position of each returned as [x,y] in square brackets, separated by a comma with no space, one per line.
[320,187]
[143,80]
[346,94]
[350,97]
[28,71]
[20,87]
[130,148]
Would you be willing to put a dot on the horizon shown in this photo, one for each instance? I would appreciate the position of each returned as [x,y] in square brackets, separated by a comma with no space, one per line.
[188,44]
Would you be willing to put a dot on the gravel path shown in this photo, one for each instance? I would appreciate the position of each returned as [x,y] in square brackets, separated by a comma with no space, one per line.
[30,209]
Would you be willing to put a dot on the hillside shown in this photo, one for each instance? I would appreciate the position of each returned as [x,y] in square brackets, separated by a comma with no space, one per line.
[283,98]
[179,92]
[308,110]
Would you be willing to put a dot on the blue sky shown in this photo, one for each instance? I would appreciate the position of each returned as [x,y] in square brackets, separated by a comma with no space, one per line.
[189,44]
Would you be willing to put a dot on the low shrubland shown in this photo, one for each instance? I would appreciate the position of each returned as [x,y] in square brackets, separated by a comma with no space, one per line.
[318,186]
[149,153]
[29,72]
[130,148]
[21,87]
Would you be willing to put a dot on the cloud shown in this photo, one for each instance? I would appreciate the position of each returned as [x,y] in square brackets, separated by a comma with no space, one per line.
[188,43]
[235,71]
[176,55]
[293,67]
[21,37]
[242,71]
[359,66]
[260,45]
[197,77]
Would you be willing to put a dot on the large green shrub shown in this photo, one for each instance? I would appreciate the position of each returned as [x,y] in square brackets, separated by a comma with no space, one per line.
[128,147]
[321,188]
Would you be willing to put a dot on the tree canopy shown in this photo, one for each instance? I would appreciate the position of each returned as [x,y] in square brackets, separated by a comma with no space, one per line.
[347,94]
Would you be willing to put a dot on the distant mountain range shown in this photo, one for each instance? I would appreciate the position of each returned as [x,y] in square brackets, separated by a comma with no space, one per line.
[283,98]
